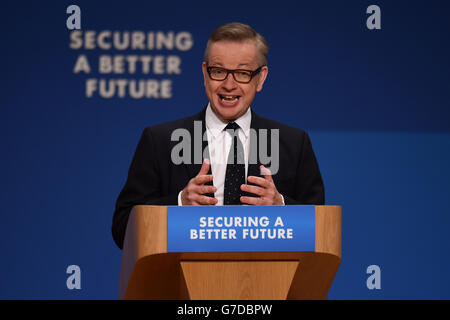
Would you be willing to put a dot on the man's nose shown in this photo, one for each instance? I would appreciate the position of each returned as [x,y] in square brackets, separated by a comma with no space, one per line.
[229,83]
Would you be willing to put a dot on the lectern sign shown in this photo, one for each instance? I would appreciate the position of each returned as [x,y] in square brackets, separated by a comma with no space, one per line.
[241,228]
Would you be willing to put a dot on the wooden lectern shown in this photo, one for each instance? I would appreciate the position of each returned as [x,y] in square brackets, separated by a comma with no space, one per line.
[148,271]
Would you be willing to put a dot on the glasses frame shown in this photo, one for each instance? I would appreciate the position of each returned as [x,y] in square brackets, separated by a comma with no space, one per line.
[228,71]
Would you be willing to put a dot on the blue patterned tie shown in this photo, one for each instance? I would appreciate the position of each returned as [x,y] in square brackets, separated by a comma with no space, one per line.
[235,173]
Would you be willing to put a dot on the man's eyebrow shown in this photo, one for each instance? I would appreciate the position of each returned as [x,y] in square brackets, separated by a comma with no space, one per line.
[241,65]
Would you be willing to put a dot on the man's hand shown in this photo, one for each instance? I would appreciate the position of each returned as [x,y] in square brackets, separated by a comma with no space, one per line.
[265,189]
[192,194]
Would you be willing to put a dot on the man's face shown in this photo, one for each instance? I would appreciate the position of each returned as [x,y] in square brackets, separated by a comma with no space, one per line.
[230,99]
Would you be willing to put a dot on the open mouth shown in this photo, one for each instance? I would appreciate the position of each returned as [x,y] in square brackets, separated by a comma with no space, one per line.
[229,98]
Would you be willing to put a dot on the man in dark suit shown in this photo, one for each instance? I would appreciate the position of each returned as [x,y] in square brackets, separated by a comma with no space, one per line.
[223,157]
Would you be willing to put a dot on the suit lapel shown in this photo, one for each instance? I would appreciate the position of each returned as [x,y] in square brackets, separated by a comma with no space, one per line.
[196,140]
[254,161]
[253,156]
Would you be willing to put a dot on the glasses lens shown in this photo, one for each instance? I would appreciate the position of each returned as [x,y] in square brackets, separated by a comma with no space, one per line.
[217,73]
[243,75]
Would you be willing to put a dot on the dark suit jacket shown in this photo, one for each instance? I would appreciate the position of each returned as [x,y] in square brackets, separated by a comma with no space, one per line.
[154,179]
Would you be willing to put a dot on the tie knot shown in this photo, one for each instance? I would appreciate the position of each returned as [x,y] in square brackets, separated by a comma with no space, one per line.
[232,126]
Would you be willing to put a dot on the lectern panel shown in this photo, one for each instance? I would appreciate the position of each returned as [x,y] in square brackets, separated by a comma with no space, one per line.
[241,229]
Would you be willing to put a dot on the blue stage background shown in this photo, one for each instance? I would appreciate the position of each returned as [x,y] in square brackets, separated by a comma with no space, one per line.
[375,102]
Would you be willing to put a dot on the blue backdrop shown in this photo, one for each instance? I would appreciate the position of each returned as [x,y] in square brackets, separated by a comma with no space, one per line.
[375,102]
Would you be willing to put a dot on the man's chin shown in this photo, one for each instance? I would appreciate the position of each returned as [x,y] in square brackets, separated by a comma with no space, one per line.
[228,114]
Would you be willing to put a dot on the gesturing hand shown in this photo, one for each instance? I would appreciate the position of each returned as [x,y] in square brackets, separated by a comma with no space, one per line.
[265,189]
[193,193]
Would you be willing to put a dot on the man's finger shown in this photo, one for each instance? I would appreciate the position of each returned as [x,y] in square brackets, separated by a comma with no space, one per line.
[252,189]
[204,200]
[203,179]
[259,181]
[251,200]
[206,189]
[205,167]
[266,173]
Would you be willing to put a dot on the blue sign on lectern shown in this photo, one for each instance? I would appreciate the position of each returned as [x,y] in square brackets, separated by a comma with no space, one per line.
[241,228]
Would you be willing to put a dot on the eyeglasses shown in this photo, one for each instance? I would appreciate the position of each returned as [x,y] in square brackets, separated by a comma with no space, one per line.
[239,75]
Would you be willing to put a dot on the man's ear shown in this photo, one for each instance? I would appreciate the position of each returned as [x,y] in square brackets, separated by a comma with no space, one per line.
[205,73]
[262,78]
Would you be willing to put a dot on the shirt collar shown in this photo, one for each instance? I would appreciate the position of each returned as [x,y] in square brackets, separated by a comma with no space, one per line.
[216,126]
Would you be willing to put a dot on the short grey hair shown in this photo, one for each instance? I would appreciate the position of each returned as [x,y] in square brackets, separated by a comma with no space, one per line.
[238,32]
